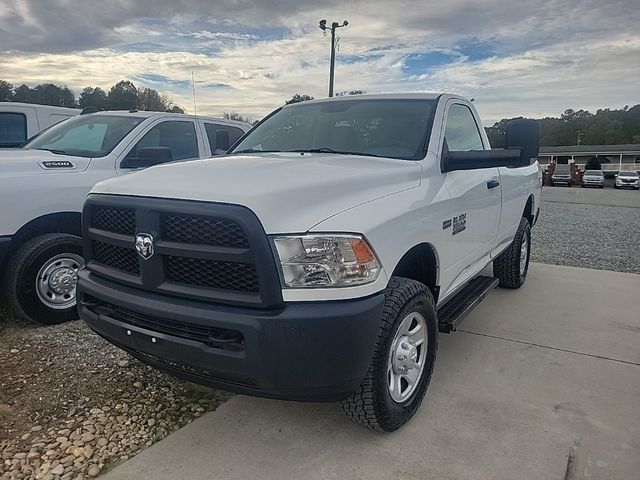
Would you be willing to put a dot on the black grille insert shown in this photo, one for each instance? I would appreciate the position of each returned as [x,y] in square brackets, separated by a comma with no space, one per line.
[117,220]
[204,231]
[120,258]
[212,274]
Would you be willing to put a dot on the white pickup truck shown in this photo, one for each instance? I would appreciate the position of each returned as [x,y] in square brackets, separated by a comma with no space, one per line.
[320,258]
[21,121]
[44,184]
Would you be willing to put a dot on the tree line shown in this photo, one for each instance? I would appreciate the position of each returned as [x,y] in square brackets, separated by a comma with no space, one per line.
[580,127]
[124,95]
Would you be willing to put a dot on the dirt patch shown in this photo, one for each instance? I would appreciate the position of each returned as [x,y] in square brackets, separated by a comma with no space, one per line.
[66,393]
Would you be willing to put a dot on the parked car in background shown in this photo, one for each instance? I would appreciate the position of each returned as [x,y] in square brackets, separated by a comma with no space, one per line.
[561,176]
[627,179]
[593,178]
[21,121]
[44,184]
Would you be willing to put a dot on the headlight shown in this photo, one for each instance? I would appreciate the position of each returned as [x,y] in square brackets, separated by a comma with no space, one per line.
[326,260]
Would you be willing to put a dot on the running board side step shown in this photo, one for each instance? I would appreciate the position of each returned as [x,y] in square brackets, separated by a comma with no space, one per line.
[456,309]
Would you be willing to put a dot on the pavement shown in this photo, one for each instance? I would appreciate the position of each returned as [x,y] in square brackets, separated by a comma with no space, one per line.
[592,196]
[539,383]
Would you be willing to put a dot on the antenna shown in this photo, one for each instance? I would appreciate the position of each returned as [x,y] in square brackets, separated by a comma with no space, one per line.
[195,105]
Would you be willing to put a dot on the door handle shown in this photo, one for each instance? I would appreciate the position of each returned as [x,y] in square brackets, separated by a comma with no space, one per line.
[492,184]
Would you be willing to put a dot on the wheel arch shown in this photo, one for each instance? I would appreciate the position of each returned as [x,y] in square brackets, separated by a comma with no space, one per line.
[421,263]
[59,222]
[528,211]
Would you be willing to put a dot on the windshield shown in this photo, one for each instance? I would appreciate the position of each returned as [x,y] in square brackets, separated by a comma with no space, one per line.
[593,172]
[374,127]
[628,174]
[91,135]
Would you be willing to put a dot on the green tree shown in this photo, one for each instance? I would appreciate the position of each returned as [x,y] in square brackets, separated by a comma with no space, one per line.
[351,92]
[123,96]
[24,94]
[235,116]
[175,109]
[150,100]
[50,94]
[6,91]
[298,98]
[593,164]
[93,97]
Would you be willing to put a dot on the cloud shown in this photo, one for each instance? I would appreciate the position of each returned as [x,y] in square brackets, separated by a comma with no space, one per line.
[516,58]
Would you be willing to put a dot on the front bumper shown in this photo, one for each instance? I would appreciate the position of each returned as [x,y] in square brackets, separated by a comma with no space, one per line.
[4,247]
[592,183]
[627,184]
[562,180]
[308,351]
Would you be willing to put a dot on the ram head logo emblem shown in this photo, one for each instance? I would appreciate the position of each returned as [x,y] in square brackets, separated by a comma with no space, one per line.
[144,245]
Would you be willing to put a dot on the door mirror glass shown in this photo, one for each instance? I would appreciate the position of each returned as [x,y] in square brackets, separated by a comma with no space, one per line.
[524,134]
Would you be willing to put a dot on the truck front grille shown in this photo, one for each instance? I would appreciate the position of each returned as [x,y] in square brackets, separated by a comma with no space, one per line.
[212,274]
[124,259]
[117,220]
[204,231]
[204,251]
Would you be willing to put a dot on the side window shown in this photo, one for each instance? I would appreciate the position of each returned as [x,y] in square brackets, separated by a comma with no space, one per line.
[461,133]
[175,140]
[13,129]
[221,137]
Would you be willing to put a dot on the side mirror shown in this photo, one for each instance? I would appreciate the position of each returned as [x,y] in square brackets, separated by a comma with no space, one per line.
[147,157]
[524,134]
[477,159]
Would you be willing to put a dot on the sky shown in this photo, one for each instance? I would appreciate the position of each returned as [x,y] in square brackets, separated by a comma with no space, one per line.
[529,58]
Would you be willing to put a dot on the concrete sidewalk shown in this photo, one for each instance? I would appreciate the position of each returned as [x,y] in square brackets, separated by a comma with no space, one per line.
[540,383]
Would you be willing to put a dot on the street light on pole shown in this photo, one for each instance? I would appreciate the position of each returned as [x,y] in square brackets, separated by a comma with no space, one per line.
[323,27]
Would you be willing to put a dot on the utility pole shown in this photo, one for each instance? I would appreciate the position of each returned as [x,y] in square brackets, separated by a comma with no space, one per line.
[323,27]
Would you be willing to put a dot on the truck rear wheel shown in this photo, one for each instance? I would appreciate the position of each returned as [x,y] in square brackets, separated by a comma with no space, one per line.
[512,265]
[42,276]
[403,359]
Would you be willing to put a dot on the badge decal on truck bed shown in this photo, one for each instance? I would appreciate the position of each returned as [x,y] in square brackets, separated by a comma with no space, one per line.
[459,223]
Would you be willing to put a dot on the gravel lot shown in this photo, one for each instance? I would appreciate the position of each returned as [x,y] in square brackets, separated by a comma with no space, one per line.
[72,405]
[597,229]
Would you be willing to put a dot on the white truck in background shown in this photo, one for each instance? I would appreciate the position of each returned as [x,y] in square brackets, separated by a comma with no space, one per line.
[319,259]
[21,121]
[43,186]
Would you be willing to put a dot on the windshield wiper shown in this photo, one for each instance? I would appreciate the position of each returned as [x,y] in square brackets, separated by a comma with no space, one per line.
[52,150]
[317,150]
[331,150]
[253,150]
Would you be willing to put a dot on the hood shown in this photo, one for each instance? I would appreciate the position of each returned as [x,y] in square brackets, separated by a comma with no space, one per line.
[288,192]
[23,161]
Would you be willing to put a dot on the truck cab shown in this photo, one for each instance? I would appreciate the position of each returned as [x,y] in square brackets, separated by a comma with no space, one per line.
[43,186]
[319,258]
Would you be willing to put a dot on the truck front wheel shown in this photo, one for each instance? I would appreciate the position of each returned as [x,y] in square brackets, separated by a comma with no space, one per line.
[42,276]
[512,265]
[403,359]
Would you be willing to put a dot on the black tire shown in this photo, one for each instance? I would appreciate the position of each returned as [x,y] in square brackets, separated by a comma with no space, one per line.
[22,270]
[371,405]
[506,268]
